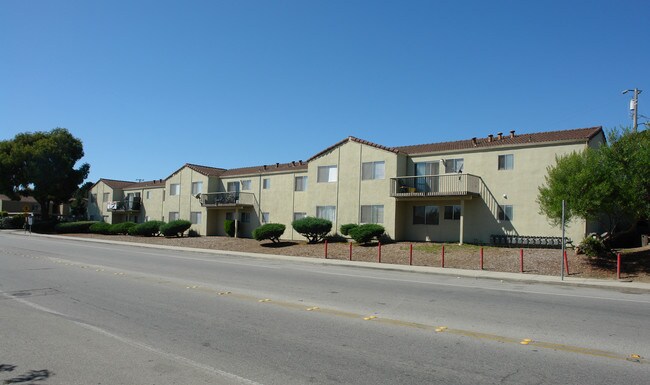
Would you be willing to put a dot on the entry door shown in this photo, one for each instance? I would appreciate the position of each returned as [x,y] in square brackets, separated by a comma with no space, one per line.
[426,182]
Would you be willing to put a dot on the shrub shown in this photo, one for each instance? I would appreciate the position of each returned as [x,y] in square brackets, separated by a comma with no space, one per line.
[593,246]
[73,227]
[193,233]
[175,228]
[3,214]
[13,222]
[229,227]
[366,233]
[345,229]
[271,231]
[121,228]
[314,229]
[100,228]
[146,229]
[44,226]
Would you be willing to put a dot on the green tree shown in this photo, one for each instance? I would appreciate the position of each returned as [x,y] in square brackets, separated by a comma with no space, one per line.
[42,164]
[609,184]
[79,202]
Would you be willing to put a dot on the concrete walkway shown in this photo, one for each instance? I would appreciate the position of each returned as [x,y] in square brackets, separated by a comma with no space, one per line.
[484,274]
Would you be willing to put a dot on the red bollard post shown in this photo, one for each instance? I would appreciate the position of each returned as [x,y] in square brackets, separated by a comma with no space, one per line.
[379,252]
[481,258]
[326,249]
[618,266]
[350,251]
[566,264]
[411,256]
[442,260]
[521,260]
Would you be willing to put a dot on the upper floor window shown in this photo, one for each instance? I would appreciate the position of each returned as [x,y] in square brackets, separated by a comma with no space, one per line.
[246,185]
[327,174]
[372,214]
[148,195]
[372,170]
[506,162]
[174,189]
[426,215]
[454,165]
[197,188]
[93,198]
[266,183]
[300,183]
[233,186]
[106,197]
[505,213]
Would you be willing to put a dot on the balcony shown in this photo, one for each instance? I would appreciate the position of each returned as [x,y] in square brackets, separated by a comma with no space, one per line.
[227,199]
[445,185]
[127,205]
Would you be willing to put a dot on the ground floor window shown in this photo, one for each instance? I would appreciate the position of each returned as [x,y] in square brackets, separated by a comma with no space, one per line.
[245,217]
[372,214]
[174,216]
[265,218]
[299,215]
[326,212]
[452,212]
[426,215]
[195,217]
[505,213]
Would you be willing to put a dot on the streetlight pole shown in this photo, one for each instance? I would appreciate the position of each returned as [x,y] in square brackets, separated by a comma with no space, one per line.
[634,106]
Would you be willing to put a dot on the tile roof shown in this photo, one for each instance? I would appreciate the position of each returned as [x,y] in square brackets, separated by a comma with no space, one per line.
[205,170]
[575,135]
[148,184]
[353,139]
[278,167]
[115,184]
[28,199]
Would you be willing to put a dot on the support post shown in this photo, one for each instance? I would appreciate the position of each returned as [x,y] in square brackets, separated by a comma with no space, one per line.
[411,256]
[326,249]
[442,259]
[481,264]
[379,252]
[521,260]
[618,266]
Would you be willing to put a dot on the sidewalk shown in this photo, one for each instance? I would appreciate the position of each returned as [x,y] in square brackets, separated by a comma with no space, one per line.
[483,274]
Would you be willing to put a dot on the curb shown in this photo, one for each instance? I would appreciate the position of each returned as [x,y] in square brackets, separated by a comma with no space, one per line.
[628,286]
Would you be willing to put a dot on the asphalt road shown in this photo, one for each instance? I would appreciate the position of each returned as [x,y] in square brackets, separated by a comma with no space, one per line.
[73,312]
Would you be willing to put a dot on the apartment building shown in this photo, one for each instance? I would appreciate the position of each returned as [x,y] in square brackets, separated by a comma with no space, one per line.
[461,191]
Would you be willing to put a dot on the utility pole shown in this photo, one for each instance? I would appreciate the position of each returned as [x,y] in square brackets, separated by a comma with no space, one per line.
[634,106]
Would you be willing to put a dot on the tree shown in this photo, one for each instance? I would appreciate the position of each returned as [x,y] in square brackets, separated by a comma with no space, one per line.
[314,229]
[271,231]
[609,184]
[79,202]
[42,164]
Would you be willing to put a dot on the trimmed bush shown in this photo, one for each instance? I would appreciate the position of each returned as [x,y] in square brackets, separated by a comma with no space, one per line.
[271,231]
[13,222]
[175,228]
[73,227]
[100,228]
[121,228]
[345,229]
[193,233]
[3,214]
[314,229]
[146,229]
[229,227]
[366,233]
[44,227]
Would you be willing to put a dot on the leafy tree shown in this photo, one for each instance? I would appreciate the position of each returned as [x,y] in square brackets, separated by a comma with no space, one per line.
[609,184]
[79,204]
[312,228]
[42,164]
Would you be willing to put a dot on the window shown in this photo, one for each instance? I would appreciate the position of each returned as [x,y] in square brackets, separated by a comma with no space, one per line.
[245,217]
[265,218]
[195,217]
[146,218]
[506,162]
[174,189]
[425,215]
[300,183]
[148,195]
[233,186]
[454,165]
[106,197]
[452,212]
[173,216]
[246,185]
[197,188]
[505,213]
[327,174]
[372,170]
[372,214]
[297,216]
[266,183]
[93,198]
[326,212]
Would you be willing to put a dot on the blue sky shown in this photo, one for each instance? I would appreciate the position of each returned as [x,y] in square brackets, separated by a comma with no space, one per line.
[150,85]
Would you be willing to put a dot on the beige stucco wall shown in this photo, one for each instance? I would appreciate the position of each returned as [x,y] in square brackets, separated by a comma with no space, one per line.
[151,207]
[97,209]
[185,203]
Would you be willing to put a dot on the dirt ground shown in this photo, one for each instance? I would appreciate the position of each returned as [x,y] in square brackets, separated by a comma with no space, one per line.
[635,264]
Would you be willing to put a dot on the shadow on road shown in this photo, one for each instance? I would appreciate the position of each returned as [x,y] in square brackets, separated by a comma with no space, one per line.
[32,375]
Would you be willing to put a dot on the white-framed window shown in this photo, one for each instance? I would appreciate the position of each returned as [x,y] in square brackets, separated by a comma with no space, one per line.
[174,189]
[452,212]
[197,188]
[266,218]
[506,162]
[327,174]
[426,215]
[245,217]
[326,212]
[454,165]
[174,216]
[246,185]
[233,186]
[266,183]
[373,170]
[299,215]
[300,183]
[372,214]
[195,217]
[505,213]
[106,197]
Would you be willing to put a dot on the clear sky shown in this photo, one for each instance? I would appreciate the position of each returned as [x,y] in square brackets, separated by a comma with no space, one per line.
[151,85]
